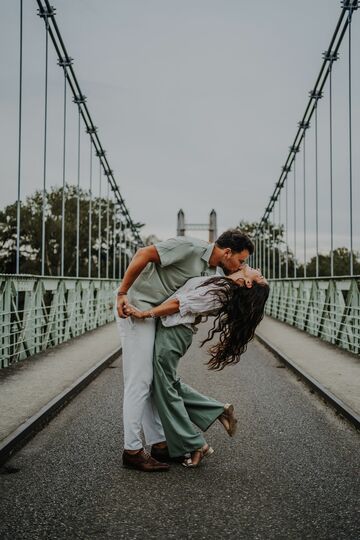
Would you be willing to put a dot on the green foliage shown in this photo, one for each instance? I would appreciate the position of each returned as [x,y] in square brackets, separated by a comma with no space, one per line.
[31,234]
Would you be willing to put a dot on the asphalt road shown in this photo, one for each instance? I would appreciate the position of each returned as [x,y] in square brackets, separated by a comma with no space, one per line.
[291,472]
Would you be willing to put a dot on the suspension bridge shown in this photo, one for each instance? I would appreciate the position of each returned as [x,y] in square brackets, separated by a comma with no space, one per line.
[293,471]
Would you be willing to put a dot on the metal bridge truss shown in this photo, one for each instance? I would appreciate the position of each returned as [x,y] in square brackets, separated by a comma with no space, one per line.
[326,308]
[37,313]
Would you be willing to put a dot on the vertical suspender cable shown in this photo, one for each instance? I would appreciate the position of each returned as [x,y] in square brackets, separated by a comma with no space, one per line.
[279,239]
[316,193]
[331,177]
[273,243]
[18,207]
[263,251]
[107,230]
[295,263]
[63,185]
[304,209]
[268,250]
[78,203]
[120,248]
[45,144]
[99,247]
[114,239]
[287,227]
[350,158]
[90,214]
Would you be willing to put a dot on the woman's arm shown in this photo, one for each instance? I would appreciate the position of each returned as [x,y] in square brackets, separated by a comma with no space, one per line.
[166,308]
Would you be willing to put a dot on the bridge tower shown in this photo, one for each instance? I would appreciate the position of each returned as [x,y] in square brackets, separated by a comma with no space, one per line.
[182,227]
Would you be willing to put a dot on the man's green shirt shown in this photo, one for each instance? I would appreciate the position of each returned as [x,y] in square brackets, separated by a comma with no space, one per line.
[181,258]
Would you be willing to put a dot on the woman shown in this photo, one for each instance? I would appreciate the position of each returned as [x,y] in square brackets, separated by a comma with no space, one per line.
[237,301]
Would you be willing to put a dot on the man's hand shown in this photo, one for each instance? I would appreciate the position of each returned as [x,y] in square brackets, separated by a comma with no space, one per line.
[121,302]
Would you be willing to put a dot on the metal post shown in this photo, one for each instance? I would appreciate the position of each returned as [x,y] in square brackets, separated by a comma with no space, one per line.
[114,240]
[279,240]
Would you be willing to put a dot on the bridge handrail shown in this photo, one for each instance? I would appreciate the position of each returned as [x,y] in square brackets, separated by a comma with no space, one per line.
[39,312]
[328,308]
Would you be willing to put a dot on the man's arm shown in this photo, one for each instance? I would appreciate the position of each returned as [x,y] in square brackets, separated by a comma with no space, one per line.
[141,258]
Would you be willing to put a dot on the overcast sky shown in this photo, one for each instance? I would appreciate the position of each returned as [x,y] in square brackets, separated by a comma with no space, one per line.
[196,101]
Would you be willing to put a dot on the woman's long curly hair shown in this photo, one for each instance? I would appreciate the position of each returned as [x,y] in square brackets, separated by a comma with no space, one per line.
[241,311]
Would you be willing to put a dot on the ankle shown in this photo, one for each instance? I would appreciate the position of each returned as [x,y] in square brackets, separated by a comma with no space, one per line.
[133,452]
[162,444]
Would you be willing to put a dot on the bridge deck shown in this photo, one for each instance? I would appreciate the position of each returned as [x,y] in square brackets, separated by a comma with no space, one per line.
[289,473]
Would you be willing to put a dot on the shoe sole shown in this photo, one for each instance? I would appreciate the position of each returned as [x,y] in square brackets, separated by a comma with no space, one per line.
[229,414]
[134,468]
[209,452]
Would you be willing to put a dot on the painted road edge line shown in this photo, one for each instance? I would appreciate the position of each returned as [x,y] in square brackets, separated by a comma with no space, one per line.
[341,407]
[18,438]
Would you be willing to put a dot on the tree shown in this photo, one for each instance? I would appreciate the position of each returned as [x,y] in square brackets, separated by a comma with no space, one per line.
[31,235]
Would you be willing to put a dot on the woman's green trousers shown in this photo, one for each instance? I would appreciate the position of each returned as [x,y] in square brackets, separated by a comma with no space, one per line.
[179,406]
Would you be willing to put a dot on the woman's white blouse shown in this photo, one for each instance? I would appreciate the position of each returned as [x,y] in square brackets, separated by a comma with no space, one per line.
[193,302]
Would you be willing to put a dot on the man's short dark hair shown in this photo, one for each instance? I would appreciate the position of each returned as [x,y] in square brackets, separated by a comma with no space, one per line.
[235,240]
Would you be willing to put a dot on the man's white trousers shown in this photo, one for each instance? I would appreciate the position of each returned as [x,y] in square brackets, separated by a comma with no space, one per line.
[140,413]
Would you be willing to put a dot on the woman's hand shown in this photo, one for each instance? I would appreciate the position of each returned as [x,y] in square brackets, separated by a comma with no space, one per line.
[134,312]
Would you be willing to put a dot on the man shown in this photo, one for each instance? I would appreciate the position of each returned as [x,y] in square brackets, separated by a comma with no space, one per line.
[154,273]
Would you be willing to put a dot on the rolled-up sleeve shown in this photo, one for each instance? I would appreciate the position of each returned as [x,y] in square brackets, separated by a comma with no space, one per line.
[174,250]
[198,301]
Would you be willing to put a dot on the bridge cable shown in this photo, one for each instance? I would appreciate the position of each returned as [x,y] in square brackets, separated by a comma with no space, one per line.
[295,263]
[323,75]
[316,192]
[107,229]
[278,239]
[287,228]
[62,256]
[350,153]
[48,12]
[78,198]
[44,195]
[18,206]
[90,212]
[99,222]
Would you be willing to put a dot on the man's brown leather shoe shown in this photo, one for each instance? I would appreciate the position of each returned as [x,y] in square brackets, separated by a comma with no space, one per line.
[143,461]
[162,455]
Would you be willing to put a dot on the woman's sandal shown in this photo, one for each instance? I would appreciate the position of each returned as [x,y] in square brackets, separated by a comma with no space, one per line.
[200,453]
[228,420]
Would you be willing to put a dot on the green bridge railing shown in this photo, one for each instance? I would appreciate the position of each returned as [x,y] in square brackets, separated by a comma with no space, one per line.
[37,313]
[328,308]
[40,312]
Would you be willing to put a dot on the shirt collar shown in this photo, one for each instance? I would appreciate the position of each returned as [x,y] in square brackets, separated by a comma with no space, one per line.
[207,253]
